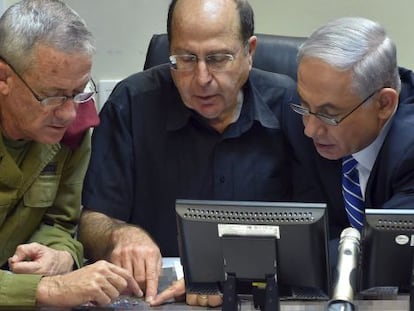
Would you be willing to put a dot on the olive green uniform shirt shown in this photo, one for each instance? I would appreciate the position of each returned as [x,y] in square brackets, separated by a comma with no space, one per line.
[39,202]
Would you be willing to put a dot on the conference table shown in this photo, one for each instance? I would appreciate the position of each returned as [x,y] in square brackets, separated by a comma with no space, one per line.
[399,303]
[172,270]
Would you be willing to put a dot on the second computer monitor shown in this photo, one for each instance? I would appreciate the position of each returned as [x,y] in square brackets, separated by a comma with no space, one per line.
[387,252]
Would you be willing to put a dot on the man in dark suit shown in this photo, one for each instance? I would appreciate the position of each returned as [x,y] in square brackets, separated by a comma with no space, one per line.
[349,86]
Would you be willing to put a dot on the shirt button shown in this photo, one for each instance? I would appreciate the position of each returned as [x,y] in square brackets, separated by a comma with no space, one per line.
[222,179]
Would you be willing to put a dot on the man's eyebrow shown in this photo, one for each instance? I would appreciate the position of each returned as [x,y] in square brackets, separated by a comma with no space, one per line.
[327,105]
[59,90]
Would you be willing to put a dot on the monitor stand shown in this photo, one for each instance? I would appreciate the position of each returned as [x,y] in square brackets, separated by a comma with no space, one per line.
[268,298]
[265,299]
[247,258]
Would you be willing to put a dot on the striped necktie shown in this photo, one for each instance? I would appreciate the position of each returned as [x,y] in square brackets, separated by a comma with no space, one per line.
[351,191]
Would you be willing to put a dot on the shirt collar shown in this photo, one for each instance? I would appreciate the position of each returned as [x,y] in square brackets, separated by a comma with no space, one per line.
[256,108]
[367,156]
[252,107]
[178,114]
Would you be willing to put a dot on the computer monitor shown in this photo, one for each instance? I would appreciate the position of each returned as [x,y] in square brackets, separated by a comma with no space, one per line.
[253,242]
[387,252]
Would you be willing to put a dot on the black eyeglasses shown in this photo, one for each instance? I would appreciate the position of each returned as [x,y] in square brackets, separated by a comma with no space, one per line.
[326,118]
[79,98]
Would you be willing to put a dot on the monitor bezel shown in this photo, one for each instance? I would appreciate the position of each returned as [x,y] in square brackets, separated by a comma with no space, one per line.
[286,215]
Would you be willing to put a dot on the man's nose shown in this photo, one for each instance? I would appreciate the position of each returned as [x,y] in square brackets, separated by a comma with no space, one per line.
[66,112]
[202,72]
[313,126]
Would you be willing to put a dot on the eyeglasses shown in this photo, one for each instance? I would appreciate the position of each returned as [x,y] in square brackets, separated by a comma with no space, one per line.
[79,98]
[327,118]
[214,62]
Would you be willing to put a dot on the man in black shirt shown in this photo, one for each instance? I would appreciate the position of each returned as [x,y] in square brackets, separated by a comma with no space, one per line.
[206,126]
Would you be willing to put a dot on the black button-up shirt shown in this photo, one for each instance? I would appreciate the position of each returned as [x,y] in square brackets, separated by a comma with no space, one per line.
[150,150]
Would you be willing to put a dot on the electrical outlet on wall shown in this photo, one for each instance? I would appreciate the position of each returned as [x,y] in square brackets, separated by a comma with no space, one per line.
[105,88]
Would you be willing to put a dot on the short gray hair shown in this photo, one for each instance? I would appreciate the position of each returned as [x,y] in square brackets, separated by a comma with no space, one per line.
[47,22]
[360,45]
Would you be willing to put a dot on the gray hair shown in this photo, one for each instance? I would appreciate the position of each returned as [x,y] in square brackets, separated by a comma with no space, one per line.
[360,45]
[47,22]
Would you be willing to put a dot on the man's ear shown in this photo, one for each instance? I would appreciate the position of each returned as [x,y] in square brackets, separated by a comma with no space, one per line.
[252,48]
[4,78]
[387,101]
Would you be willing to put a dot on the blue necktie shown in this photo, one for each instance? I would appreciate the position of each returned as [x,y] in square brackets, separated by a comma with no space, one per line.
[354,203]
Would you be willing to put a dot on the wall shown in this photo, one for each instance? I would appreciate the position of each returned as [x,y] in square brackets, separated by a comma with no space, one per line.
[123,28]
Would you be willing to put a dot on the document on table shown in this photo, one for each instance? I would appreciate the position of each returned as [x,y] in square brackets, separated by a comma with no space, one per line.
[171,271]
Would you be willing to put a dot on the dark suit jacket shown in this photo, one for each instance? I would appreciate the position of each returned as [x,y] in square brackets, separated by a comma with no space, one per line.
[391,182]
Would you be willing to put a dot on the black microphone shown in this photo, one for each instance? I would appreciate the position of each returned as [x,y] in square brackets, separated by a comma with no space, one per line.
[346,271]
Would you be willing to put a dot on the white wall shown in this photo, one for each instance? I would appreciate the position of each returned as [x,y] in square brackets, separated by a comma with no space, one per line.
[301,17]
[122,29]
